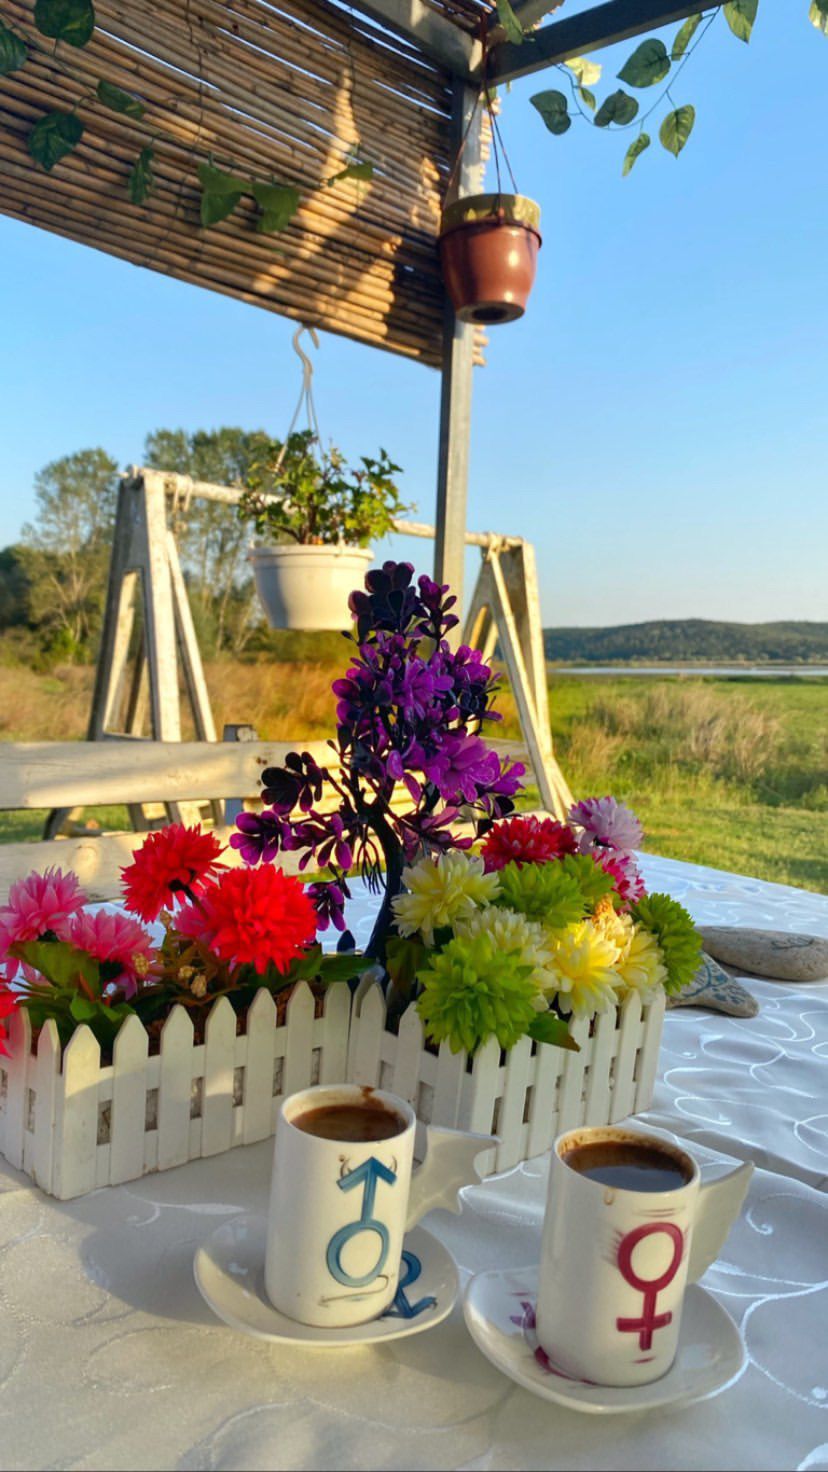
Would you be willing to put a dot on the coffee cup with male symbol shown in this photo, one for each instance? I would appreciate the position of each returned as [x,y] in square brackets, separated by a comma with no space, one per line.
[344,1193]
[629,1223]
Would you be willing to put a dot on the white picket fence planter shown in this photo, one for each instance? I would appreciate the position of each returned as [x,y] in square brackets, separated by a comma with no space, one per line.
[74,1125]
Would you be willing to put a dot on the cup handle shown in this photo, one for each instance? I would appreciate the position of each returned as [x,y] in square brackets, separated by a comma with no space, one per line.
[449,1165]
[719,1204]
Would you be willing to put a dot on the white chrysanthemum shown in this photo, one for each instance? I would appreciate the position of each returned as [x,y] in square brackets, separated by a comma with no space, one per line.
[512,932]
[584,968]
[641,968]
[441,891]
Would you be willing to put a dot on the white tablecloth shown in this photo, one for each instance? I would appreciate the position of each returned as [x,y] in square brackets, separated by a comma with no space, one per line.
[109,1357]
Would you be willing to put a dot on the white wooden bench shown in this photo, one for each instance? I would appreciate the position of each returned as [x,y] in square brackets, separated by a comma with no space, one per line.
[47,774]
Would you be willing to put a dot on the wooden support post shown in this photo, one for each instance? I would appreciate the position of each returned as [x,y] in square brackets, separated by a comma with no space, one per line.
[456,394]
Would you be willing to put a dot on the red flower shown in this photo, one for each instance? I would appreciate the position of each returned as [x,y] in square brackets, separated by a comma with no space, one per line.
[171,863]
[8,1004]
[527,840]
[624,872]
[255,917]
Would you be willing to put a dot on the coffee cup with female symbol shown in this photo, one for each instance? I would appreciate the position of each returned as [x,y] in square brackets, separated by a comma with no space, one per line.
[344,1193]
[629,1223]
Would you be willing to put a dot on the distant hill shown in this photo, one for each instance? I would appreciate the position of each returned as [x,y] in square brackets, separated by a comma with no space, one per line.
[692,640]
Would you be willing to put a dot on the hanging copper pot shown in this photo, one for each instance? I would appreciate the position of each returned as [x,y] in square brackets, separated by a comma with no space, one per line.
[489,247]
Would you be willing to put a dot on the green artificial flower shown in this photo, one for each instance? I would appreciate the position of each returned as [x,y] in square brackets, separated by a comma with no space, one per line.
[473,991]
[545,892]
[593,881]
[676,934]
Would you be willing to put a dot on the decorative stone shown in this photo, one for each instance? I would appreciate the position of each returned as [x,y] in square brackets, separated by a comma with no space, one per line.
[712,987]
[780,955]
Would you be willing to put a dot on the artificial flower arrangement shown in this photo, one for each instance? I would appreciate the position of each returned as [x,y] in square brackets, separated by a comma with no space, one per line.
[547,921]
[225,932]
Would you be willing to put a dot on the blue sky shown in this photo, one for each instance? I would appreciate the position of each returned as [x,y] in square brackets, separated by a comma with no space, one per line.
[656,423]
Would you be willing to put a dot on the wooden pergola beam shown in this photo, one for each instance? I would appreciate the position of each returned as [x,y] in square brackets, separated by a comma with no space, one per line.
[448,45]
[577,35]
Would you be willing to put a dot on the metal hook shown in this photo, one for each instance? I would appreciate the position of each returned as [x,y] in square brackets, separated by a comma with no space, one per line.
[307,365]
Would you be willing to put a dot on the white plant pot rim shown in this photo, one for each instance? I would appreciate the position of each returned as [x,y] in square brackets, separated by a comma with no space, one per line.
[262,551]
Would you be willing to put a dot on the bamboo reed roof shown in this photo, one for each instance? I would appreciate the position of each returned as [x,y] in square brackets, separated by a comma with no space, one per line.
[281,90]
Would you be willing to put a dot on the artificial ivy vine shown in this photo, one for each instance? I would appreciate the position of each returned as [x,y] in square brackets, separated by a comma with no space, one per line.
[650,64]
[58,133]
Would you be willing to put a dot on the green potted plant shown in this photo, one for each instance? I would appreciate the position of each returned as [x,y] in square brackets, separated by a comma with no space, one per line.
[315,517]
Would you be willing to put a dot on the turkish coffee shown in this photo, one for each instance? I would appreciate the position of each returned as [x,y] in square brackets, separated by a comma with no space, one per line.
[352,1123]
[626,1165]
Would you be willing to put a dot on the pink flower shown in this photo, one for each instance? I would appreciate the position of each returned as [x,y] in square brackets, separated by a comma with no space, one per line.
[606,823]
[117,942]
[625,874]
[38,905]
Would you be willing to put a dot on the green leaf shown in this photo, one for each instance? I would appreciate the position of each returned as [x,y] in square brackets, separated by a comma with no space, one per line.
[510,23]
[13,51]
[220,193]
[685,36]
[404,957]
[818,15]
[587,97]
[112,96]
[141,177]
[546,1027]
[53,136]
[648,64]
[633,152]
[554,109]
[81,1008]
[278,203]
[65,20]
[357,169]
[740,15]
[676,128]
[60,963]
[619,108]
[585,72]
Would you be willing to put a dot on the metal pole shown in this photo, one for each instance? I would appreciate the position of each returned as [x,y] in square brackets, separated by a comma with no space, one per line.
[456,394]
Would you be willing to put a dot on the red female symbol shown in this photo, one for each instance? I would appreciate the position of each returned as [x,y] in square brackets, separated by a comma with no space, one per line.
[651,1288]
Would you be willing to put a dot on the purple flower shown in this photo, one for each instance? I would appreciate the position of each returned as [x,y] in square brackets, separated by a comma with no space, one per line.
[606,823]
[261,836]
[329,902]
[462,767]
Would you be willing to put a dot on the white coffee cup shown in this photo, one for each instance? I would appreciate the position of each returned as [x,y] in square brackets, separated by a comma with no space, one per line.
[339,1210]
[615,1262]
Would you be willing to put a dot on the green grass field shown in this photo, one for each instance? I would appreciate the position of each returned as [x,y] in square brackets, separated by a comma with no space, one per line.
[727,772]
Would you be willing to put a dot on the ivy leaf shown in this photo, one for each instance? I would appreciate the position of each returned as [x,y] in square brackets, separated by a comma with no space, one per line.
[65,20]
[545,1027]
[634,151]
[685,36]
[554,110]
[112,96]
[53,136]
[13,51]
[278,203]
[141,177]
[740,15]
[510,23]
[648,64]
[220,193]
[356,169]
[587,97]
[818,15]
[676,128]
[585,72]
[619,108]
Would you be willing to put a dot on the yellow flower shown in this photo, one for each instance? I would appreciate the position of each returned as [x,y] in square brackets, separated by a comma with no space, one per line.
[583,966]
[617,929]
[512,932]
[641,968]
[442,891]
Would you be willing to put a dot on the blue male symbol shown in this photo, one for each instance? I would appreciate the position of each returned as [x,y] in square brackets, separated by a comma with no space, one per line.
[369,1173]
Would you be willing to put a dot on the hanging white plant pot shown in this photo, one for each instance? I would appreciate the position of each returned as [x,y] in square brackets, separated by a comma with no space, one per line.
[307,587]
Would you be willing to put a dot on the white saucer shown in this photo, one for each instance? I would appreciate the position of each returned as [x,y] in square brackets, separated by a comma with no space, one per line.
[229,1272]
[500,1314]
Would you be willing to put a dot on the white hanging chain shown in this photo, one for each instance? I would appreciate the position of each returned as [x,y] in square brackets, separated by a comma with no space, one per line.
[306,393]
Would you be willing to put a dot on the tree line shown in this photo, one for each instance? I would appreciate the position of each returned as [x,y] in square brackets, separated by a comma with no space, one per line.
[53,580]
[692,639]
